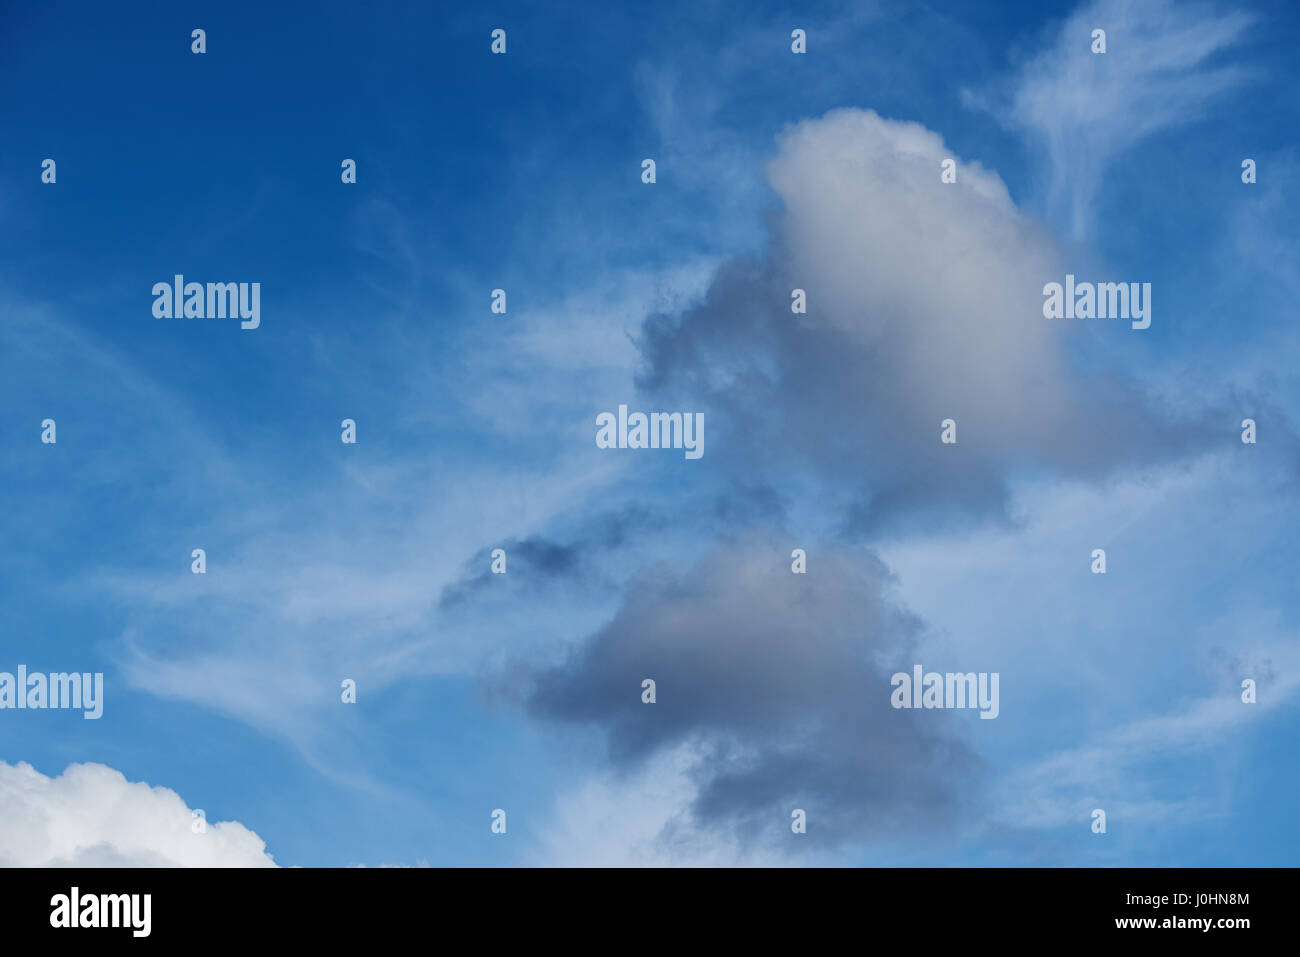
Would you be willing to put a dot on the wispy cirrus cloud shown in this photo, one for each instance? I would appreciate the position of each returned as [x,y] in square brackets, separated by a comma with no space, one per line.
[1165,66]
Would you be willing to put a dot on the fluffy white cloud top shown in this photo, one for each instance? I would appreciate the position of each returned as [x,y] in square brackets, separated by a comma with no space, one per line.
[92,816]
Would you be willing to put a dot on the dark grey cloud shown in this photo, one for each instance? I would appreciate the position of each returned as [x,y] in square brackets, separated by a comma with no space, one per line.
[542,561]
[540,556]
[780,683]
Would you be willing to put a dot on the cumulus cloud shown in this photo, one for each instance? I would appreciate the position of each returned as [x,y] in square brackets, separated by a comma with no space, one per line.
[924,303]
[778,684]
[92,816]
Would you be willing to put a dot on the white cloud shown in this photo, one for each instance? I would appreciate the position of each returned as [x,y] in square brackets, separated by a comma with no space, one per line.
[92,816]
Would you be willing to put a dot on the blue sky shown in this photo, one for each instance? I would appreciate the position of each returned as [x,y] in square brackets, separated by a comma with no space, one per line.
[371,561]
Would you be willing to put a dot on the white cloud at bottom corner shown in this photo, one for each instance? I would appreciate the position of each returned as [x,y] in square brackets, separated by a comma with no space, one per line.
[92,816]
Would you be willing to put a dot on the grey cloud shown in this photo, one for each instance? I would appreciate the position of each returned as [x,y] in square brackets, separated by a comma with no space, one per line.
[780,683]
[924,303]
